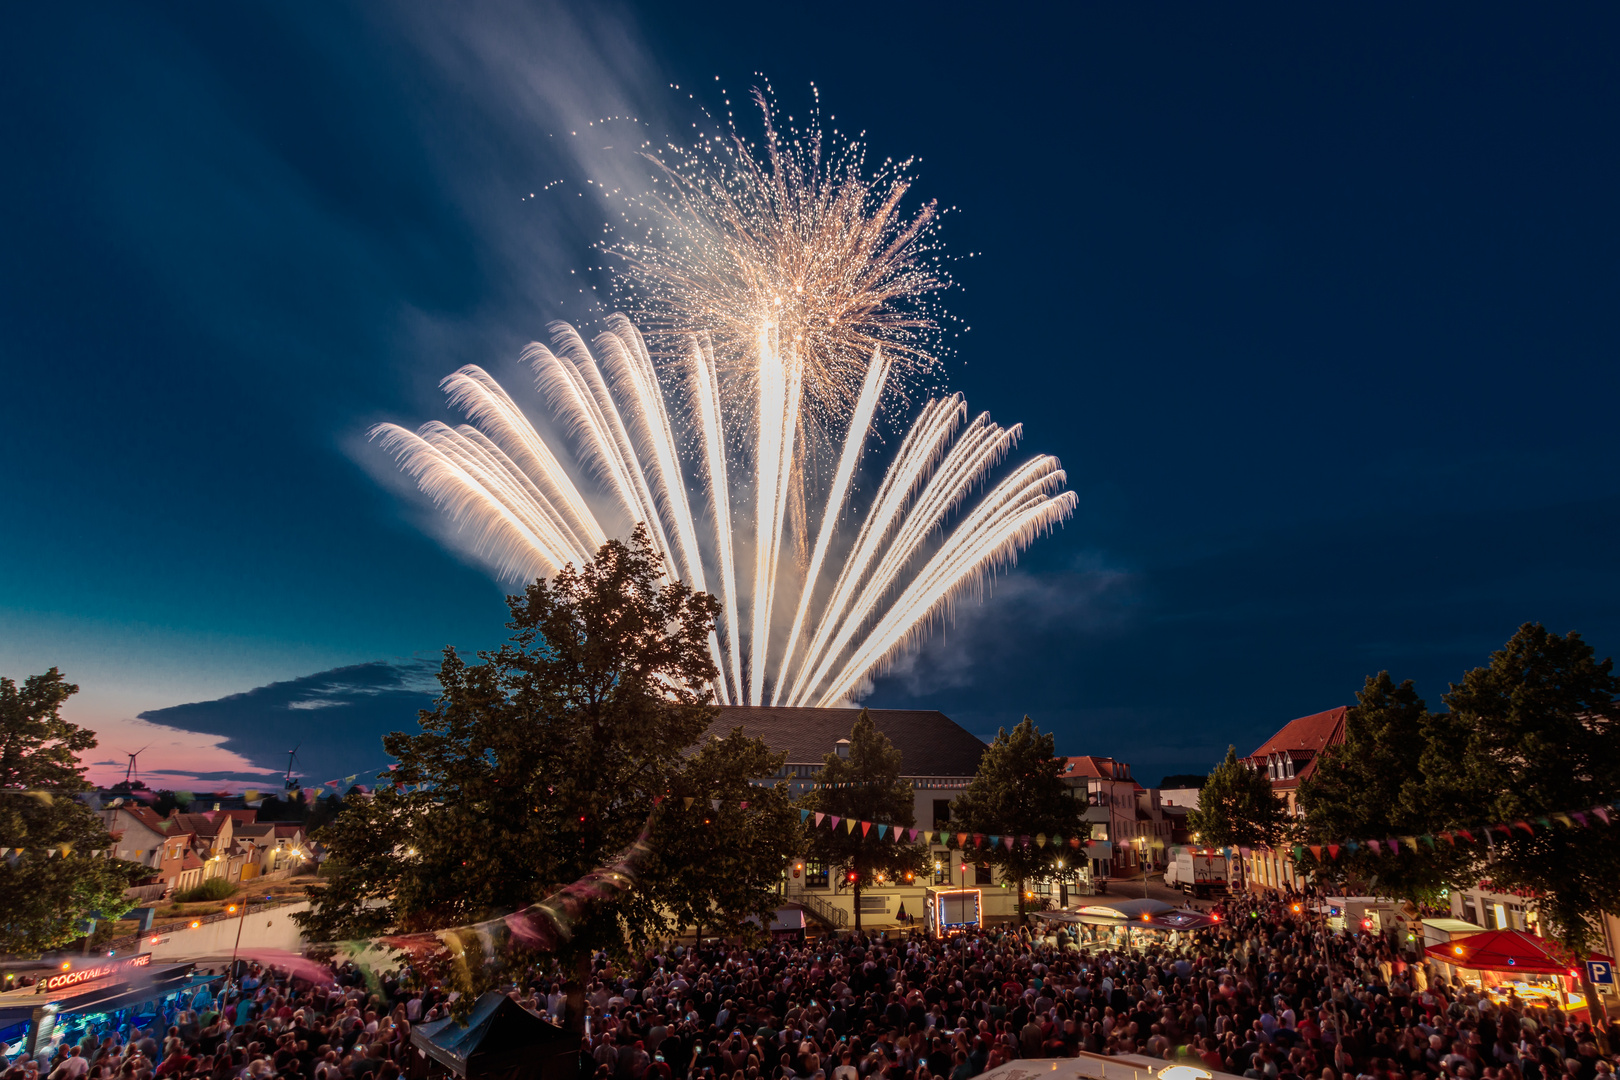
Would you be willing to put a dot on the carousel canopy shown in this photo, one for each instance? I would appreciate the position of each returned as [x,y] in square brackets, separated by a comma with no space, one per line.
[1506,950]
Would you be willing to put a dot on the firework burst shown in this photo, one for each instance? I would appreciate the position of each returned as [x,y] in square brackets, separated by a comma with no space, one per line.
[791,296]
[792,238]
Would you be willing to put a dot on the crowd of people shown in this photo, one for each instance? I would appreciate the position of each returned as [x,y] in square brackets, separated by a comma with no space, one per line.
[1267,993]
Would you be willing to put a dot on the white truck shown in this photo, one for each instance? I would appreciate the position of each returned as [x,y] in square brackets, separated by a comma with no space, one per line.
[1197,874]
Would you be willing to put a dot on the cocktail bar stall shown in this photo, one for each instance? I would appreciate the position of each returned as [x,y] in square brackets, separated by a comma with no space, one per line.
[1502,962]
[95,993]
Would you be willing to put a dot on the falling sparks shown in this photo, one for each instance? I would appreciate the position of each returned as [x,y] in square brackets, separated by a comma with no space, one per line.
[790,296]
[500,481]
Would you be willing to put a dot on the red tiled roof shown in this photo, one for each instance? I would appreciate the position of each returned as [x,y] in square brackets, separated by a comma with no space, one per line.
[201,824]
[145,815]
[1304,740]
[242,817]
[1089,766]
[289,831]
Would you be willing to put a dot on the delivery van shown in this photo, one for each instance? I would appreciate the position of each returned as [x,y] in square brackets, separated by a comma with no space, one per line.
[1196,874]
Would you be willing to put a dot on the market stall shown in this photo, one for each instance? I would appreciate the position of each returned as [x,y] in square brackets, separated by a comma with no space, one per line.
[500,1040]
[1500,963]
[92,994]
[1127,923]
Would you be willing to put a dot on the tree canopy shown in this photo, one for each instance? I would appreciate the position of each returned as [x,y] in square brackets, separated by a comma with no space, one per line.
[53,875]
[1237,808]
[546,759]
[1019,791]
[1372,784]
[865,786]
[1533,734]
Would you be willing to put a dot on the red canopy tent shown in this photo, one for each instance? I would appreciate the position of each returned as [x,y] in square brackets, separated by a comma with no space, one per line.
[1507,950]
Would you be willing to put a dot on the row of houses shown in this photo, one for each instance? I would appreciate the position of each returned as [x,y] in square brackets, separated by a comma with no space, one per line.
[184,850]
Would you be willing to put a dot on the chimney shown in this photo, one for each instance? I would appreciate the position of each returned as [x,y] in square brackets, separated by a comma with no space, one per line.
[842,748]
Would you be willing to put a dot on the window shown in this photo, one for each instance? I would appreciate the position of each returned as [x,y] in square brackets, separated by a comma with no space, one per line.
[815,874]
[982,874]
[942,812]
[1043,887]
[1470,913]
[942,868]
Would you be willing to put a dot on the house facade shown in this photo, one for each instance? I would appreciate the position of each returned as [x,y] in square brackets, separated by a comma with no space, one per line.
[938,757]
[1288,758]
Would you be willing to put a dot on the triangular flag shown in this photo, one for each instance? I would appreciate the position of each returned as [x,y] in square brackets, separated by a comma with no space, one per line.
[1525,825]
[866,827]
[351,778]
[1448,838]
[835,819]
[1466,835]
[819,816]
[961,839]
[994,840]
[1580,816]
[1563,819]
[1411,842]
[1040,839]
[1427,839]
[1601,813]
[687,801]
[849,825]
[1074,841]
[882,830]
[742,805]
[1333,851]
[1374,845]
[714,804]
[1316,852]
[1008,841]
[803,814]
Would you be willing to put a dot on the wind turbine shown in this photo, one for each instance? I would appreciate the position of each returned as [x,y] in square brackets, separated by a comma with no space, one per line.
[288,783]
[130,770]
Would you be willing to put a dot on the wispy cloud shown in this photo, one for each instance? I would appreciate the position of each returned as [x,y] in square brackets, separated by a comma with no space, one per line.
[263,724]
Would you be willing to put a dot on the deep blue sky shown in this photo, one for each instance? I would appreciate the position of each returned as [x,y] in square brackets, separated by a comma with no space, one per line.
[1318,308]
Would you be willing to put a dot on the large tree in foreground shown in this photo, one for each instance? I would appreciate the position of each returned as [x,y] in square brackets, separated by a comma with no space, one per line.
[1531,737]
[1372,785]
[53,876]
[550,756]
[1237,808]
[865,786]
[1019,792]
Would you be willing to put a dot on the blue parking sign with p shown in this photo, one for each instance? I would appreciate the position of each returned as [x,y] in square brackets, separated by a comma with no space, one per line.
[1601,972]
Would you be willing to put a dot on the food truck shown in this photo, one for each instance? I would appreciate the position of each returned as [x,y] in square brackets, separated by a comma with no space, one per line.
[951,911]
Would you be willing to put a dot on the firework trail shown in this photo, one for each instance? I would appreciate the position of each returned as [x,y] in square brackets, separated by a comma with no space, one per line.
[794,296]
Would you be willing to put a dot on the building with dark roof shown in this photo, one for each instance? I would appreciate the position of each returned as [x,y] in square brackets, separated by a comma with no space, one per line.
[937,755]
[932,745]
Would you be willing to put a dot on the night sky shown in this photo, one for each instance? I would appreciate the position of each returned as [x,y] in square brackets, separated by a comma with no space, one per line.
[1319,308]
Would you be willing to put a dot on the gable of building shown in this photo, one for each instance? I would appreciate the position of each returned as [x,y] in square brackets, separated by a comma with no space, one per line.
[1290,756]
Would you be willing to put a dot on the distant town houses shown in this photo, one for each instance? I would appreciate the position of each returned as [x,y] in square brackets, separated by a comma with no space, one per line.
[184,850]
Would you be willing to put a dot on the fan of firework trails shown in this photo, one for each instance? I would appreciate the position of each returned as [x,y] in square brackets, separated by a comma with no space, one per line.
[791,299]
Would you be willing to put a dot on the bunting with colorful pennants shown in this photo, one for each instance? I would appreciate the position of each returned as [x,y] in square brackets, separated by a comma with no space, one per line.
[1478,835]
[885,832]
